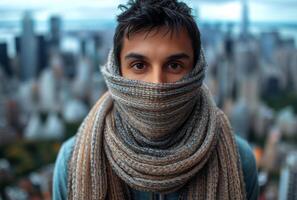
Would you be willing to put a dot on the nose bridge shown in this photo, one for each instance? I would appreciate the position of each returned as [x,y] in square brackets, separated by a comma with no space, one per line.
[157,76]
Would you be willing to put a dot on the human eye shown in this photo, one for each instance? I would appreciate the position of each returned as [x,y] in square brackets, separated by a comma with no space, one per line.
[138,67]
[175,67]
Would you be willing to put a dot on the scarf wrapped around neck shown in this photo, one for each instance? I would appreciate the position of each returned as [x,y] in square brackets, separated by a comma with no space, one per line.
[155,137]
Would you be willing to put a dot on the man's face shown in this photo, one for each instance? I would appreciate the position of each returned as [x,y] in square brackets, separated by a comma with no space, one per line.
[157,57]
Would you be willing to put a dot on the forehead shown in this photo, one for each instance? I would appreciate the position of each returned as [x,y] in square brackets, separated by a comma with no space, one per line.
[158,41]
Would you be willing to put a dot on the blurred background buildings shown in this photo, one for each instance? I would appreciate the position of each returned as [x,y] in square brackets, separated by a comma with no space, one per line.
[50,53]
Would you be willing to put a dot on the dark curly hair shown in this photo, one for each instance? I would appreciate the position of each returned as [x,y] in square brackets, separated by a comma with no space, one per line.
[139,15]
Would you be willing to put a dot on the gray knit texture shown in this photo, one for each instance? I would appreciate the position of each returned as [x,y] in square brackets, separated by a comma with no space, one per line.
[157,138]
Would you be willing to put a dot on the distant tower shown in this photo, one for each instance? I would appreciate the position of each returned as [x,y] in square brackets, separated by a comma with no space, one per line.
[28,61]
[247,73]
[55,31]
[42,53]
[288,180]
[269,42]
[17,44]
[4,59]
[245,19]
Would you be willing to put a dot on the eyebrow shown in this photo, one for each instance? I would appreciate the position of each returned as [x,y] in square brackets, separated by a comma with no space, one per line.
[135,56]
[178,56]
[171,57]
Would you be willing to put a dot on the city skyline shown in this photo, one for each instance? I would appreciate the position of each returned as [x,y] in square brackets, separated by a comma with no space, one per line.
[268,10]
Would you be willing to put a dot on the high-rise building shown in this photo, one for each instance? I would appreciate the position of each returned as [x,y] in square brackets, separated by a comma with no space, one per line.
[48,91]
[28,58]
[282,58]
[42,53]
[69,61]
[55,31]
[4,59]
[293,70]
[17,44]
[241,123]
[269,42]
[247,73]
[229,42]
[288,180]
[83,46]
[245,20]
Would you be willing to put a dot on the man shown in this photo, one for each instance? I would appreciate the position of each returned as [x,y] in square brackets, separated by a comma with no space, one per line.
[156,133]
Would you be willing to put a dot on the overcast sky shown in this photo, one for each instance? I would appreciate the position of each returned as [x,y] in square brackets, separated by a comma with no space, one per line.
[260,10]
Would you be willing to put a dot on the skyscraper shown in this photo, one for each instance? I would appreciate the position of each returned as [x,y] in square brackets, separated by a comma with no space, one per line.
[28,58]
[17,44]
[245,20]
[288,180]
[269,42]
[55,31]
[4,60]
[42,53]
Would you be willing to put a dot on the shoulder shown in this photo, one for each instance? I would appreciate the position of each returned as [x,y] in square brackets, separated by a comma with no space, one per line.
[249,168]
[67,147]
[245,152]
[60,170]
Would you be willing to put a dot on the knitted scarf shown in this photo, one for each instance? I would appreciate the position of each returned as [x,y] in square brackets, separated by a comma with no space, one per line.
[155,137]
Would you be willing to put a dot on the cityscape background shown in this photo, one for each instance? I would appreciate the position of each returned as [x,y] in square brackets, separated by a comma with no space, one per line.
[51,52]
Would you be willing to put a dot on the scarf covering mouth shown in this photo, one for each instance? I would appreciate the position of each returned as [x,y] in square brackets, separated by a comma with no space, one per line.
[157,138]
